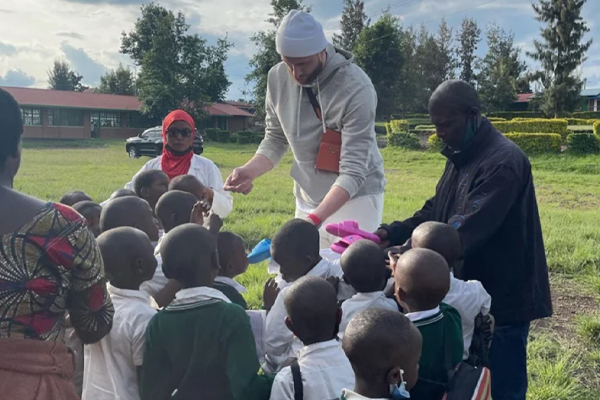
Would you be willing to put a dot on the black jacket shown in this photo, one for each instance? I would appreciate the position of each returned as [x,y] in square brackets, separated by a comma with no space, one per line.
[487,194]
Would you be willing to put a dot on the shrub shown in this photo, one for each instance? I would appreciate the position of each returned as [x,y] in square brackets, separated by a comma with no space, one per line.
[409,116]
[244,137]
[380,129]
[532,143]
[538,125]
[419,121]
[587,114]
[583,143]
[211,134]
[578,121]
[516,114]
[435,143]
[496,119]
[592,121]
[405,140]
[597,128]
[223,136]
[425,128]
[397,125]
[258,137]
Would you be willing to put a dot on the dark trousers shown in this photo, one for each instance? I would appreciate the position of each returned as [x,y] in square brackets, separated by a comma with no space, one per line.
[508,361]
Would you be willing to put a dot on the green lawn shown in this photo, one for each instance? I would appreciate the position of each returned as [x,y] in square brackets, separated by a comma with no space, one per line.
[568,190]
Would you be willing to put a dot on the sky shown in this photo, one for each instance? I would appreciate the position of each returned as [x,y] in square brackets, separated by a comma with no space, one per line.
[87,33]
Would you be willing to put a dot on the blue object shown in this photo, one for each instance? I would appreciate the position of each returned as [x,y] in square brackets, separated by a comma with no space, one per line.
[261,252]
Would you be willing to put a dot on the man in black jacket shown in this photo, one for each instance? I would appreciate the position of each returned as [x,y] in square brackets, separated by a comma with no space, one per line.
[487,194]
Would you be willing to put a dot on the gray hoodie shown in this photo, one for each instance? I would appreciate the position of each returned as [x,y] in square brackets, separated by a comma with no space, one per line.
[348,101]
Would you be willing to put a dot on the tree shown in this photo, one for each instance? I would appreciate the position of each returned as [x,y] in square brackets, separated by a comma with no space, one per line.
[468,38]
[560,54]
[354,20]
[410,74]
[501,70]
[378,51]
[446,60]
[266,56]
[62,77]
[120,81]
[178,70]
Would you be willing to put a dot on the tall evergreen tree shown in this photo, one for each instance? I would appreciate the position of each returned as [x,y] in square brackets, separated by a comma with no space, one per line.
[266,55]
[446,60]
[354,20]
[378,51]
[561,51]
[410,74]
[469,37]
[62,77]
[120,81]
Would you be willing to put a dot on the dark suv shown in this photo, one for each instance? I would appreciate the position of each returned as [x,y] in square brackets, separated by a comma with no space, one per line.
[150,143]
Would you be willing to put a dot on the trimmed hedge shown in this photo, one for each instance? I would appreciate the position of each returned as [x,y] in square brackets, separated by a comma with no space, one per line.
[579,121]
[583,143]
[534,126]
[397,125]
[223,136]
[408,116]
[435,143]
[425,128]
[258,137]
[496,119]
[532,143]
[380,130]
[587,114]
[405,140]
[597,128]
[517,114]
[211,134]
[244,137]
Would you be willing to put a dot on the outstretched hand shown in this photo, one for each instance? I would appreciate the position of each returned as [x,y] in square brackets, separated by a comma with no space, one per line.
[213,223]
[240,181]
[270,293]
[199,213]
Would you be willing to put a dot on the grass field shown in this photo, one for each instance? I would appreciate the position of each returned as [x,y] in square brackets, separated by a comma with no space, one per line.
[565,351]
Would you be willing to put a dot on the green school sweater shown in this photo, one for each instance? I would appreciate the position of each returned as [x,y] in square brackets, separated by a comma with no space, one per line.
[442,339]
[205,350]
[231,293]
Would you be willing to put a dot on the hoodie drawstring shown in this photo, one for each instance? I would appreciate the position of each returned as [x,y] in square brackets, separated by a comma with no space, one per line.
[298,113]
[322,107]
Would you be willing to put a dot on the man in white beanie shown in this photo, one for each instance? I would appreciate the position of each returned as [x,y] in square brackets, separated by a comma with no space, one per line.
[317,89]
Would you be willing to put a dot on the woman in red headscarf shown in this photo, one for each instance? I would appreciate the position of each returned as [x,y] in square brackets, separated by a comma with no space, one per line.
[178,158]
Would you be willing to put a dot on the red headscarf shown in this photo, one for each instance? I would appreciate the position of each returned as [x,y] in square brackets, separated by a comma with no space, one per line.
[172,164]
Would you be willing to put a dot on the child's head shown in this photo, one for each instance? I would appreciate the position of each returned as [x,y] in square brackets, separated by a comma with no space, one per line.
[384,348]
[364,267]
[74,197]
[232,254]
[313,312]
[189,255]
[91,212]
[150,185]
[422,280]
[129,211]
[174,208]
[296,249]
[122,193]
[439,237]
[189,184]
[128,257]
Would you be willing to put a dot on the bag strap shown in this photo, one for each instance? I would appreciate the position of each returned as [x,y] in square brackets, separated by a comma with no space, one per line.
[314,102]
[297,376]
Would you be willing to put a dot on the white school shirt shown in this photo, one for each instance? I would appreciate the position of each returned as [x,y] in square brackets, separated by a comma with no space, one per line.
[234,284]
[159,280]
[348,394]
[110,366]
[325,371]
[208,173]
[280,343]
[470,299]
[364,301]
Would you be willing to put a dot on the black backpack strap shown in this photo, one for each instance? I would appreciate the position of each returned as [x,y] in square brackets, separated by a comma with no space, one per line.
[314,102]
[297,376]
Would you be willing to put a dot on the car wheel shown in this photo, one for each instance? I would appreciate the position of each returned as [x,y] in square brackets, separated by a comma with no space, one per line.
[133,152]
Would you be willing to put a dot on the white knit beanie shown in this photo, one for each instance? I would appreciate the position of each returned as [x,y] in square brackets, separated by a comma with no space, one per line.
[300,35]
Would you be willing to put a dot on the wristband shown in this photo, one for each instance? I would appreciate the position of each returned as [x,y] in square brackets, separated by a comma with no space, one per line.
[316,220]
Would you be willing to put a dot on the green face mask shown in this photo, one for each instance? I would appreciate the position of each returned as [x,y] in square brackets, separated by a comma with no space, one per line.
[470,131]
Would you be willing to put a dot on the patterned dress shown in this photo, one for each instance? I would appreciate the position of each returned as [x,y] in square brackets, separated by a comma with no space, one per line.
[50,266]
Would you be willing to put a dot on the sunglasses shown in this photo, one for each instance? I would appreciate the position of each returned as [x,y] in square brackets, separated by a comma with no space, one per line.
[184,133]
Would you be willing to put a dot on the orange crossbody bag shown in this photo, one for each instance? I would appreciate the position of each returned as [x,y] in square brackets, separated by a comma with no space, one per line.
[330,148]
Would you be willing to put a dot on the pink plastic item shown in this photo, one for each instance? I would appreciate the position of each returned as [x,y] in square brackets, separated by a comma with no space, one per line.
[350,228]
[341,246]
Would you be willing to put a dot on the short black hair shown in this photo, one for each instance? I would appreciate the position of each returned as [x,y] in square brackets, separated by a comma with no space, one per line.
[117,194]
[457,94]
[439,237]
[376,338]
[123,211]
[297,237]
[86,207]
[11,127]
[174,208]
[311,303]
[74,197]
[189,252]
[186,183]
[145,179]
[225,242]
[364,266]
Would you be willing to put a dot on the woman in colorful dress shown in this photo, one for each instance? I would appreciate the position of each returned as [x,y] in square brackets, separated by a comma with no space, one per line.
[50,267]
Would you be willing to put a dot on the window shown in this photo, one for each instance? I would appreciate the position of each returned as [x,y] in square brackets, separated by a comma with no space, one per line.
[135,120]
[106,119]
[65,117]
[222,123]
[31,116]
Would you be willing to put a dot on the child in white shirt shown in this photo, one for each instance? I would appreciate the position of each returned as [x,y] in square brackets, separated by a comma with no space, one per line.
[469,298]
[365,270]
[234,262]
[322,368]
[111,365]
[296,249]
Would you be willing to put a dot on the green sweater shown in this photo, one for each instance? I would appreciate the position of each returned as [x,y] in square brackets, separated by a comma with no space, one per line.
[442,349]
[205,351]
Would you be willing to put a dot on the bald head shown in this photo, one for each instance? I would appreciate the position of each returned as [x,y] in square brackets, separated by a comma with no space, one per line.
[376,341]
[189,184]
[455,94]
[74,197]
[422,279]
[364,266]
[122,193]
[129,211]
[311,304]
[174,208]
[439,237]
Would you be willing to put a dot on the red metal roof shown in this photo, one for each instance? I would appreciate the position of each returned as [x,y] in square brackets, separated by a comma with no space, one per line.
[227,110]
[59,98]
[524,97]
